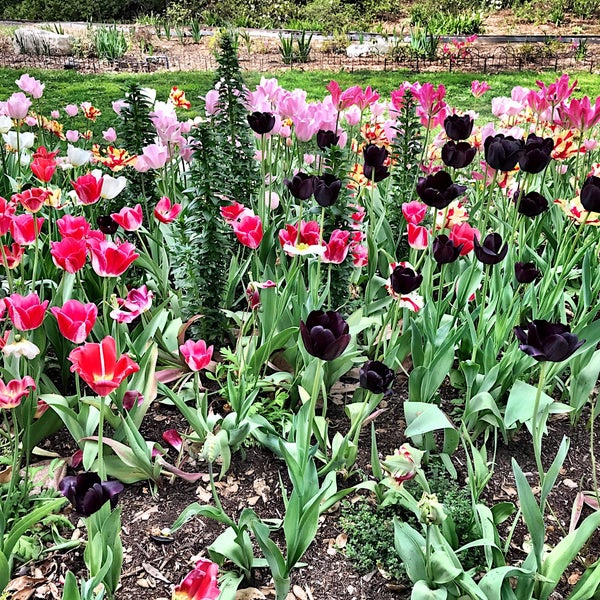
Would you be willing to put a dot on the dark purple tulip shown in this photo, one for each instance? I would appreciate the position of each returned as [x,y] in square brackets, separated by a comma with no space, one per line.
[531,204]
[261,122]
[325,334]
[458,127]
[88,494]
[458,155]
[444,250]
[502,153]
[438,190]
[374,156]
[327,189]
[526,272]
[375,174]
[537,154]
[327,138]
[547,341]
[106,225]
[375,377]
[590,194]
[404,280]
[301,185]
[491,252]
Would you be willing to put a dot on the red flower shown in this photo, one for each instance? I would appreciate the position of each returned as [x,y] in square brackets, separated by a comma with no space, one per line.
[24,229]
[26,312]
[199,584]
[414,212]
[111,259]
[32,199]
[98,366]
[165,212]
[69,254]
[7,213]
[234,212]
[249,231]
[310,234]
[337,248]
[196,354]
[418,236]
[73,227]
[75,320]
[88,188]
[43,168]
[464,234]
[14,391]
[13,255]
[130,219]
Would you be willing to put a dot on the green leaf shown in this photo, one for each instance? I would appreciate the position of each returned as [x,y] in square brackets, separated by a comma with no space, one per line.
[421,591]
[4,572]
[496,585]
[521,400]
[409,545]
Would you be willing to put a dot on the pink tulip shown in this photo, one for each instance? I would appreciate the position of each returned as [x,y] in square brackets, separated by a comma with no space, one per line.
[25,228]
[130,219]
[69,254]
[73,227]
[153,156]
[75,320]
[26,312]
[337,247]
[71,109]
[165,212]
[110,135]
[196,355]
[414,212]
[137,302]
[111,259]
[17,106]
[249,231]
[418,236]
[30,86]
[14,391]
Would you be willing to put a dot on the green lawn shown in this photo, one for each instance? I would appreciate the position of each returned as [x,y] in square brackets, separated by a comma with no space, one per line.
[65,87]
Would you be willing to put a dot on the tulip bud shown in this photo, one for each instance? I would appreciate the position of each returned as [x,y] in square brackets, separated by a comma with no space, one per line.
[431,512]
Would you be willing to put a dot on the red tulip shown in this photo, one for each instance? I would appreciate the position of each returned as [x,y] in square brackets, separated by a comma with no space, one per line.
[418,236]
[196,354]
[165,212]
[414,212]
[23,228]
[32,199]
[13,256]
[75,320]
[234,212]
[199,584]
[7,213]
[464,234]
[14,391]
[69,254]
[73,227]
[130,219]
[249,231]
[98,366]
[111,259]
[337,248]
[43,168]
[26,312]
[88,188]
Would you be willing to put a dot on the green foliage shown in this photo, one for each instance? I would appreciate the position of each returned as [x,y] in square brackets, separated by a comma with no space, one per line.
[300,54]
[111,42]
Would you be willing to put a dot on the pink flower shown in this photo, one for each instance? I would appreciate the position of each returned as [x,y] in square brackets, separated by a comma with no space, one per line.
[137,302]
[199,584]
[17,106]
[72,135]
[88,188]
[360,256]
[478,89]
[234,212]
[30,86]
[336,92]
[211,102]
[7,213]
[249,231]
[130,219]
[418,236]
[132,398]
[196,354]
[464,234]
[71,109]
[73,227]
[153,156]
[55,114]
[110,135]
[414,212]
[172,437]
[14,391]
[337,247]
[165,212]
[580,114]
[75,320]
[69,254]
[111,259]
[26,312]
[25,228]
[431,106]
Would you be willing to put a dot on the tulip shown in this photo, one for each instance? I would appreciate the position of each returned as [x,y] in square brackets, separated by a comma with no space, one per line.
[7,213]
[458,127]
[14,391]
[132,398]
[43,168]
[87,493]
[537,154]
[337,247]
[88,188]
[375,174]
[325,334]
[249,231]
[200,583]
[418,236]
[137,302]
[261,122]
[25,228]
[526,272]
[414,212]
[327,189]
[374,156]
[71,109]
[21,347]
[106,224]
[154,156]
[546,341]
[165,212]
[403,464]
[502,153]
[458,155]
[590,194]
[73,227]
[32,199]
[531,204]
[463,235]
[444,250]
[301,185]
[431,511]
[69,254]
[404,279]
[75,320]
[130,219]
[376,377]
[11,256]
[326,139]
[26,312]
[479,88]
[17,106]
[196,355]
[438,190]
[111,259]
[30,85]
[234,212]
[98,366]
[491,252]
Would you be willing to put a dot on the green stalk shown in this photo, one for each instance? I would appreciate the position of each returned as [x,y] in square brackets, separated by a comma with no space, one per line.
[535,426]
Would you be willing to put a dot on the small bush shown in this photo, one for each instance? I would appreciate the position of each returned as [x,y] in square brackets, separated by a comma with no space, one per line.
[110,42]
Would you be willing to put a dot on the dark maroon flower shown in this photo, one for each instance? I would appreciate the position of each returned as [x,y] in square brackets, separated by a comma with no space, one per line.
[458,127]
[375,174]
[547,341]
[444,250]
[404,280]
[88,494]
[375,156]
[502,153]
[590,194]
[327,189]
[458,155]
[327,138]
[376,377]
[301,185]
[325,334]
[261,122]
[107,225]
[491,252]
[531,204]
[537,154]
[526,272]
[438,190]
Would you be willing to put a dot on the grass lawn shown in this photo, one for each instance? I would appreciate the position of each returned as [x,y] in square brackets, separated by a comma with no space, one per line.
[68,87]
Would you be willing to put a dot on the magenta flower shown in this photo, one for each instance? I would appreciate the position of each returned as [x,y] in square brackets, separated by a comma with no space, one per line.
[196,355]
[130,219]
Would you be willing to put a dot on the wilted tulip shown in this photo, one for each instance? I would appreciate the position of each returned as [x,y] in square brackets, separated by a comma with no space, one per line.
[502,153]
[590,194]
[458,155]
[325,334]
[444,250]
[261,122]
[458,127]
[491,252]
[526,272]
[438,190]
[537,154]
[200,583]
[327,189]
[376,377]
[531,204]
[547,341]
[87,493]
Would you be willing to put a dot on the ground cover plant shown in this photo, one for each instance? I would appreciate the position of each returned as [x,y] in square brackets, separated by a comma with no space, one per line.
[237,265]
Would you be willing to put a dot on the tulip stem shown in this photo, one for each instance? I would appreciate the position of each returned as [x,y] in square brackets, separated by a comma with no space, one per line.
[101,467]
[315,395]
[535,425]
[486,278]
